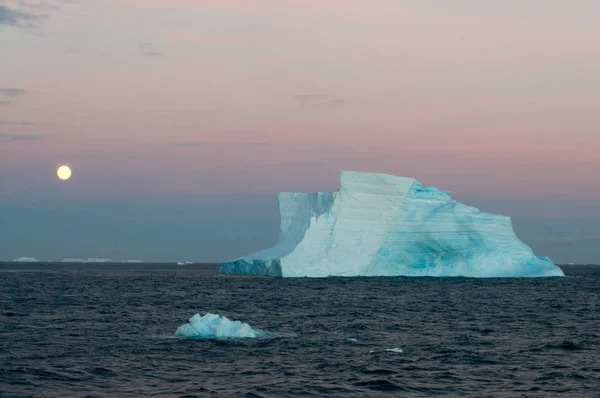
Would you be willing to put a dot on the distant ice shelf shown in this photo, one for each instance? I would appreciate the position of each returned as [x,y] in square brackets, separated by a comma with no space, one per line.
[25,260]
[100,260]
[383,225]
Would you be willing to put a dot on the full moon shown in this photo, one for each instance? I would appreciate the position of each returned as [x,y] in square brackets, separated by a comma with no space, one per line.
[63,172]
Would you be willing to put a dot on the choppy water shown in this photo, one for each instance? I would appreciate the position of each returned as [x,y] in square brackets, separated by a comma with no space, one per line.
[104,331]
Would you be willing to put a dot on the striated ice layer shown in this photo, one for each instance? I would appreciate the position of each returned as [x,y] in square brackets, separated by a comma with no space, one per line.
[295,212]
[212,326]
[382,225]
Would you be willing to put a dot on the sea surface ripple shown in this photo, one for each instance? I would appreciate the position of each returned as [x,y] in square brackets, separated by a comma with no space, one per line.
[108,331]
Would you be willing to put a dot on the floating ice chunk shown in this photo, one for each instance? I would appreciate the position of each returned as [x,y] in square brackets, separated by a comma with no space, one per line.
[397,350]
[383,225]
[213,326]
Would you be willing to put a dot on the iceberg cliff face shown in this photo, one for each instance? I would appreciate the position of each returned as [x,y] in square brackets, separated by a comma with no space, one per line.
[382,225]
[295,212]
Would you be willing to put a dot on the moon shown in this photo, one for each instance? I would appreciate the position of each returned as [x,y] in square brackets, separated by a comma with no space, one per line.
[63,172]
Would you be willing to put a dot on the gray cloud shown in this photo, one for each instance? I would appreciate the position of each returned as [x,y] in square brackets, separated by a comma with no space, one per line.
[311,97]
[37,5]
[28,13]
[12,92]
[12,17]
[73,50]
[147,49]
[21,137]
[317,100]
[6,123]
[151,53]
[212,144]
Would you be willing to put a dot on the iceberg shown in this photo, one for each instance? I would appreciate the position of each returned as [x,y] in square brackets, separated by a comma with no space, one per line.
[383,225]
[213,326]
[25,260]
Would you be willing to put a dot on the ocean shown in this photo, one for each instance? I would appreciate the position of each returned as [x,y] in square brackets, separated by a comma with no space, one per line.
[105,330]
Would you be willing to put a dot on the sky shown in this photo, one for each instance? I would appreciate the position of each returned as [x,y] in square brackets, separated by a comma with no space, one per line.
[181,119]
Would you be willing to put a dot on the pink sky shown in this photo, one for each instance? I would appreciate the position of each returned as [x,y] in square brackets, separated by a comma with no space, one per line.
[222,97]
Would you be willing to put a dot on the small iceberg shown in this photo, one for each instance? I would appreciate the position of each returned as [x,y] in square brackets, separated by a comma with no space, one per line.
[25,260]
[98,260]
[396,350]
[213,326]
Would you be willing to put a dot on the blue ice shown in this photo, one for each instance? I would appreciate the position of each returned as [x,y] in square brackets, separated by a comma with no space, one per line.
[383,225]
[213,326]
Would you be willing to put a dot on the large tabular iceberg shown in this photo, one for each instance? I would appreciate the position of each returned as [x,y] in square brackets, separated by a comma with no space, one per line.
[382,225]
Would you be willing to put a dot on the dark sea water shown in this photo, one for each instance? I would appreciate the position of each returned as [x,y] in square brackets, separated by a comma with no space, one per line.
[108,331]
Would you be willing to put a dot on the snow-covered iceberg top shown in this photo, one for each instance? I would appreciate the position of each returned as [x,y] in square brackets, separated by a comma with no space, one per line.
[213,326]
[383,225]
